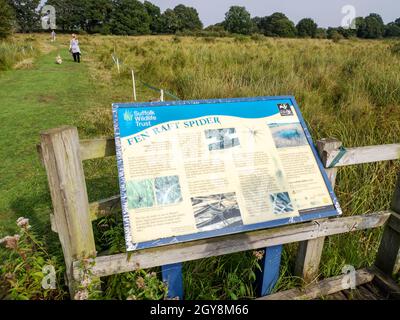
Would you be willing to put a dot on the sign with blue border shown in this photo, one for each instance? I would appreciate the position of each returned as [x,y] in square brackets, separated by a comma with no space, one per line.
[199,169]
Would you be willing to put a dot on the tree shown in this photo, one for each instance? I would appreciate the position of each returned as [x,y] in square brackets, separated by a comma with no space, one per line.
[155,14]
[218,27]
[188,18]
[97,15]
[237,20]
[169,21]
[331,32]
[340,33]
[27,17]
[371,27]
[129,17]
[334,34]
[306,28]
[360,27]
[62,13]
[392,30]
[71,15]
[320,33]
[278,25]
[6,19]
[347,32]
[257,24]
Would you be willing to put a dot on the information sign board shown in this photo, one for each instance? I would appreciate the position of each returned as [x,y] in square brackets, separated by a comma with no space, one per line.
[191,170]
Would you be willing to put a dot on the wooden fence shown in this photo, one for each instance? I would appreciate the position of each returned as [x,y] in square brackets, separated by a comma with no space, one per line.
[62,154]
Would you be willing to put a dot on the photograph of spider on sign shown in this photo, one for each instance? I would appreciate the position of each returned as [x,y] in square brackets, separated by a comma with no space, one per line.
[192,170]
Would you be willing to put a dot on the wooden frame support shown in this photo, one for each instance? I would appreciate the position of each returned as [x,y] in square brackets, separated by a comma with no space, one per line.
[386,283]
[188,251]
[322,288]
[173,276]
[310,252]
[270,267]
[60,151]
[388,257]
[105,147]
[62,154]
[308,259]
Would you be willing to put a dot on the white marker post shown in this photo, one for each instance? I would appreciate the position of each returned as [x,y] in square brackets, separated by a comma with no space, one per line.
[116,61]
[134,86]
[162,95]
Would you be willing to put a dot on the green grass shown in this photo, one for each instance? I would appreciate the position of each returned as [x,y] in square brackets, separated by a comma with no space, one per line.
[43,96]
[35,99]
[348,90]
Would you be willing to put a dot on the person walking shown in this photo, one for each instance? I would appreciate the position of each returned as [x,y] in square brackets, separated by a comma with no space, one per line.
[53,36]
[74,49]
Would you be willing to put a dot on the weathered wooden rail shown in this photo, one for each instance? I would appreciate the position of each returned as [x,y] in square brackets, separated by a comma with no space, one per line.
[108,265]
[62,154]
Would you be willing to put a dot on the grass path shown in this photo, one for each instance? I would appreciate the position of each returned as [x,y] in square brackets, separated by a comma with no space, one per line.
[32,100]
[43,97]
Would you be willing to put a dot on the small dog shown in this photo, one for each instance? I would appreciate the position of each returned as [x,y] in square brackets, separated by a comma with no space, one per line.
[58,59]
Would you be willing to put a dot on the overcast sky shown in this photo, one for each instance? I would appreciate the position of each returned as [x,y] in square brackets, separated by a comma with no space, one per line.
[324,12]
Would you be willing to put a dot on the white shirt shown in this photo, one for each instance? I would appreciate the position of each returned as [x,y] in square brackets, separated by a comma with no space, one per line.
[74,46]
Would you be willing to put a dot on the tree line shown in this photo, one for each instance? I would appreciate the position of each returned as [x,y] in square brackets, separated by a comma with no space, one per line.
[121,17]
[133,17]
[238,20]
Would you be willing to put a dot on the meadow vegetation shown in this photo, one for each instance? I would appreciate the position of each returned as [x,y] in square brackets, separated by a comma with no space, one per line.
[347,89]
[15,54]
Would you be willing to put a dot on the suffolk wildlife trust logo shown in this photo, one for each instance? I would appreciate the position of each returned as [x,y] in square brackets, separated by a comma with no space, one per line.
[142,118]
[128,115]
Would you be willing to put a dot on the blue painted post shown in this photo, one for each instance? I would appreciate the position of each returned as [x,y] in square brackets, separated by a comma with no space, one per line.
[172,275]
[267,278]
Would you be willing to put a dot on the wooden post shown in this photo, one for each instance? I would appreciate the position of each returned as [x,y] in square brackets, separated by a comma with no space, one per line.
[309,252]
[388,257]
[134,86]
[62,160]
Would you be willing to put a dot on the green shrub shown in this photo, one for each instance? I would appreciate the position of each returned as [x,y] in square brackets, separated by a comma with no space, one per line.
[336,37]
[395,49]
[7,57]
[138,285]
[12,53]
[7,17]
[209,39]
[176,39]
[23,273]
[241,38]
[257,37]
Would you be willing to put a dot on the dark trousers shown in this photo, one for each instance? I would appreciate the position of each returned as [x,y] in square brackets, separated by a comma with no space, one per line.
[77,57]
